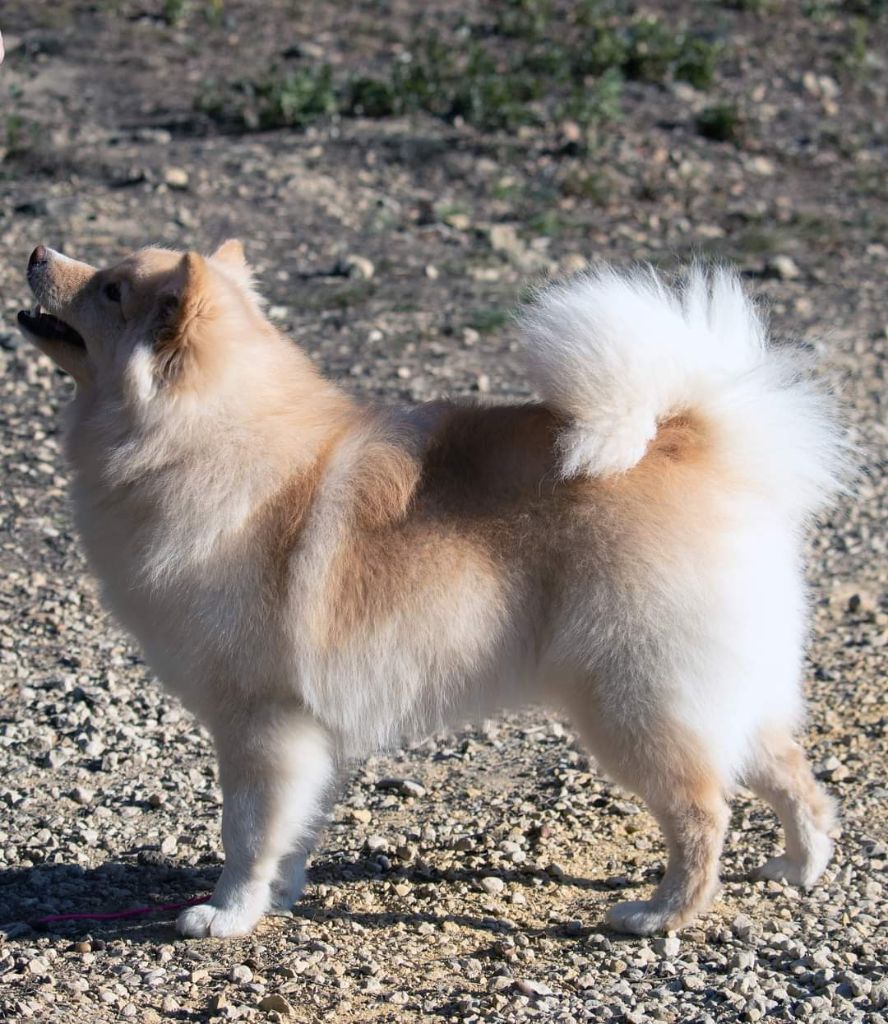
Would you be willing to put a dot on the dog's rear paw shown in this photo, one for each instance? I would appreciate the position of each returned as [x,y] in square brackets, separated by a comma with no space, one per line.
[642,917]
[779,869]
[803,873]
[216,922]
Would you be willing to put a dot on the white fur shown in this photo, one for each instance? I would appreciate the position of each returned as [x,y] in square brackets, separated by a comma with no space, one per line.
[619,353]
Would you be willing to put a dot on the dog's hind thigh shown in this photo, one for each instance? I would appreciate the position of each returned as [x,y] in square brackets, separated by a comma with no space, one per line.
[275,767]
[781,775]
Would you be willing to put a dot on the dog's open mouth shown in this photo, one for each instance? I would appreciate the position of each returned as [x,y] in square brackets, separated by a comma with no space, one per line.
[47,326]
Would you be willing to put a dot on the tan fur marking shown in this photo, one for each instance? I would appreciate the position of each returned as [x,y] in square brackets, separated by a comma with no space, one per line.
[481,485]
[283,521]
[178,338]
[783,776]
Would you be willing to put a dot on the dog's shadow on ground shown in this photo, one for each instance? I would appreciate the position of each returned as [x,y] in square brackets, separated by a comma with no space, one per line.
[29,895]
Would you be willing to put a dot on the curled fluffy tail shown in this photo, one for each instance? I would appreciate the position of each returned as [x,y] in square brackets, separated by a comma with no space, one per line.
[616,354]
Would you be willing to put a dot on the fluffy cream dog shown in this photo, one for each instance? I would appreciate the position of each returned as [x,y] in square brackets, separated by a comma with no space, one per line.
[316,578]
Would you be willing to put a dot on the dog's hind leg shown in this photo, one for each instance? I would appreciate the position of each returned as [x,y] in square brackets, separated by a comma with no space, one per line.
[693,815]
[666,764]
[275,767]
[780,774]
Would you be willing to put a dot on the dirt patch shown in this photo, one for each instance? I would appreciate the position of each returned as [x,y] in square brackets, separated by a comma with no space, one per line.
[435,160]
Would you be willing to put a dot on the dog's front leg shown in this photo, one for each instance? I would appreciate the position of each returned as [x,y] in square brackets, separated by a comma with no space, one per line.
[275,766]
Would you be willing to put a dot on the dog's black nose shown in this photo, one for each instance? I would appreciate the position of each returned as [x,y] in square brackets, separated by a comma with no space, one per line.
[37,256]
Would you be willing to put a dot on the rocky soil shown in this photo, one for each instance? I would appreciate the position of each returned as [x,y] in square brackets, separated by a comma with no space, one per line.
[464,879]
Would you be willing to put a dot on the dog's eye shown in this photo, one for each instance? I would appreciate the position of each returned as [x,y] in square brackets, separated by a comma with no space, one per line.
[112,291]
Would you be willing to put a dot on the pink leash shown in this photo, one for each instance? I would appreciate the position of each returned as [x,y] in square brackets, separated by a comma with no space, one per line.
[115,915]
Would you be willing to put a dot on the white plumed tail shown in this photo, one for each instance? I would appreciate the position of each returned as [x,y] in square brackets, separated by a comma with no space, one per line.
[616,354]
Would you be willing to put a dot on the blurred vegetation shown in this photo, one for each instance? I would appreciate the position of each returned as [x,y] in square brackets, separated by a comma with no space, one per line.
[720,122]
[520,62]
[17,133]
[176,11]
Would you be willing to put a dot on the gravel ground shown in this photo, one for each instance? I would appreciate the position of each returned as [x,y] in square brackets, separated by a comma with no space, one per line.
[466,878]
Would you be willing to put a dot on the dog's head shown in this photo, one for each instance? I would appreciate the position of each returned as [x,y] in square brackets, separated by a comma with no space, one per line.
[159,322]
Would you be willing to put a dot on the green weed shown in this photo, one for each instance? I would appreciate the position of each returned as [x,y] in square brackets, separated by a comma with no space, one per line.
[755,6]
[855,57]
[721,123]
[175,12]
[292,100]
[547,222]
[593,186]
[528,62]
[697,62]
[18,136]
[486,321]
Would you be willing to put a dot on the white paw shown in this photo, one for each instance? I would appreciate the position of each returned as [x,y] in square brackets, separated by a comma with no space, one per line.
[286,892]
[217,922]
[804,872]
[641,917]
[780,869]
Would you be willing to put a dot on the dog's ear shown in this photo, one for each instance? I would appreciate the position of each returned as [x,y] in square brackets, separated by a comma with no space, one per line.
[184,310]
[231,257]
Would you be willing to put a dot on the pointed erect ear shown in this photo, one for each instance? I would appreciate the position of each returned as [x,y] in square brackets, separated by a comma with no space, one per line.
[232,257]
[182,309]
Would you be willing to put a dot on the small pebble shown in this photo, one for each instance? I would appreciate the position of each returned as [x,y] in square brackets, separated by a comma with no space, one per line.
[176,177]
[277,1003]
[668,946]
